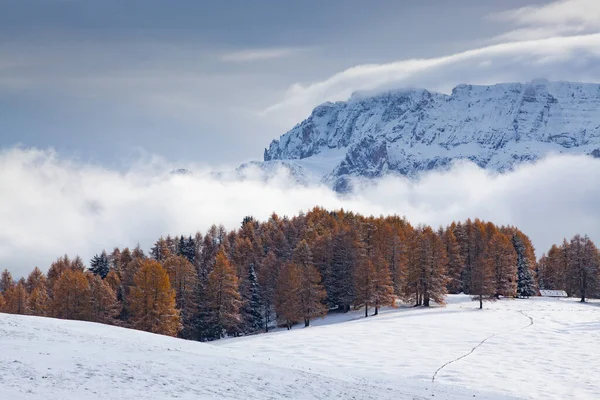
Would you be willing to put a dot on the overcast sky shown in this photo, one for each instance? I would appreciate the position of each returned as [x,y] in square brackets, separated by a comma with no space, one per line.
[213,82]
[123,91]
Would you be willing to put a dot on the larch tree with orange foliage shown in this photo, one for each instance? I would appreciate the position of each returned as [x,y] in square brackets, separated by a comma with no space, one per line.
[39,302]
[184,281]
[103,300]
[71,296]
[268,274]
[502,259]
[16,299]
[312,295]
[35,279]
[455,264]
[224,299]
[287,297]
[364,280]
[383,286]
[152,300]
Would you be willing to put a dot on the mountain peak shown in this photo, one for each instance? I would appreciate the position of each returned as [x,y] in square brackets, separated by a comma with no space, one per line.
[407,131]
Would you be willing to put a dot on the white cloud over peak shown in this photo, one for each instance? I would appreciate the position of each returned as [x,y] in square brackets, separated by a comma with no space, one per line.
[560,58]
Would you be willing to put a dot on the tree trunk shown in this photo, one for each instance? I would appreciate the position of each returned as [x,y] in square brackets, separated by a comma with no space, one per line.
[306,322]
[426,301]
[366,311]
[376,310]
[480,301]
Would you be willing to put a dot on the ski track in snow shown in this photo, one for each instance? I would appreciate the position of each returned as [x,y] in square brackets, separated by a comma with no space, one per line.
[480,344]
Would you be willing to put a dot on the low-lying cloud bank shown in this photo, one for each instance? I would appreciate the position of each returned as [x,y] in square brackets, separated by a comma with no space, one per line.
[50,206]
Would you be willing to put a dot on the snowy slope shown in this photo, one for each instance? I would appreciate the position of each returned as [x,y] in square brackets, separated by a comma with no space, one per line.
[47,359]
[409,131]
[528,349]
[535,349]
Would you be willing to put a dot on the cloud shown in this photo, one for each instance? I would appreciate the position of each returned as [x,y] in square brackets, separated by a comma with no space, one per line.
[564,17]
[558,58]
[261,54]
[51,206]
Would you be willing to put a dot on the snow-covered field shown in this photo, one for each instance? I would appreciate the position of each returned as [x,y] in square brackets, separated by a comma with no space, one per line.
[531,349]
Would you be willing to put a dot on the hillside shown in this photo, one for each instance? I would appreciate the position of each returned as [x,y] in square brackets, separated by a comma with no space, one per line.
[410,131]
[392,356]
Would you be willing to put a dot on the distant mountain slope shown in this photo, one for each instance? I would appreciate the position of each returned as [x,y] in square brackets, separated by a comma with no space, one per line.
[415,130]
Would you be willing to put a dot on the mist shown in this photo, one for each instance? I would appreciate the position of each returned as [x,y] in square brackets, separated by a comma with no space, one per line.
[52,205]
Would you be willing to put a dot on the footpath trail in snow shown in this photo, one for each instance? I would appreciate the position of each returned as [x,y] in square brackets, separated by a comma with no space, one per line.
[476,347]
[554,355]
[391,356]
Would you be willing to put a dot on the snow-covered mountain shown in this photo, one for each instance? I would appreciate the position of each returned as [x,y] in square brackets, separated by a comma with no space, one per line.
[413,130]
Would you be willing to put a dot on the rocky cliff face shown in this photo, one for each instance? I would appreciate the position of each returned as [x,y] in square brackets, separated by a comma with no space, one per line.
[410,131]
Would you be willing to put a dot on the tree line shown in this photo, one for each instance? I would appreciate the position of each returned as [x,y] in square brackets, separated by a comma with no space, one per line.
[292,270]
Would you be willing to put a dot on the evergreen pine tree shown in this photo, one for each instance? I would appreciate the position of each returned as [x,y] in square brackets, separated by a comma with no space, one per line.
[100,265]
[525,284]
[252,310]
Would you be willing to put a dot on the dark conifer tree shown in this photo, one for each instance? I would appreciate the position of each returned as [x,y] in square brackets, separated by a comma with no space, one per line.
[100,265]
[252,310]
[525,284]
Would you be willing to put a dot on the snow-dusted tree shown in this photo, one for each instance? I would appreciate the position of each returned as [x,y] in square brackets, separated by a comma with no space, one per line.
[268,276]
[103,300]
[383,286]
[38,301]
[584,269]
[100,265]
[152,300]
[187,248]
[426,278]
[184,280]
[341,280]
[553,267]
[224,298]
[455,261]
[6,281]
[482,272]
[252,309]
[525,282]
[160,251]
[312,295]
[61,265]
[34,279]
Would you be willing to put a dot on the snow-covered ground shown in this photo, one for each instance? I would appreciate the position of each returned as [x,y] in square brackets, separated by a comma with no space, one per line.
[532,349]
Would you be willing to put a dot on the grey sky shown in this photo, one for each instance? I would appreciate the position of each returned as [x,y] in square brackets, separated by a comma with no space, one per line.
[111,85]
[188,80]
